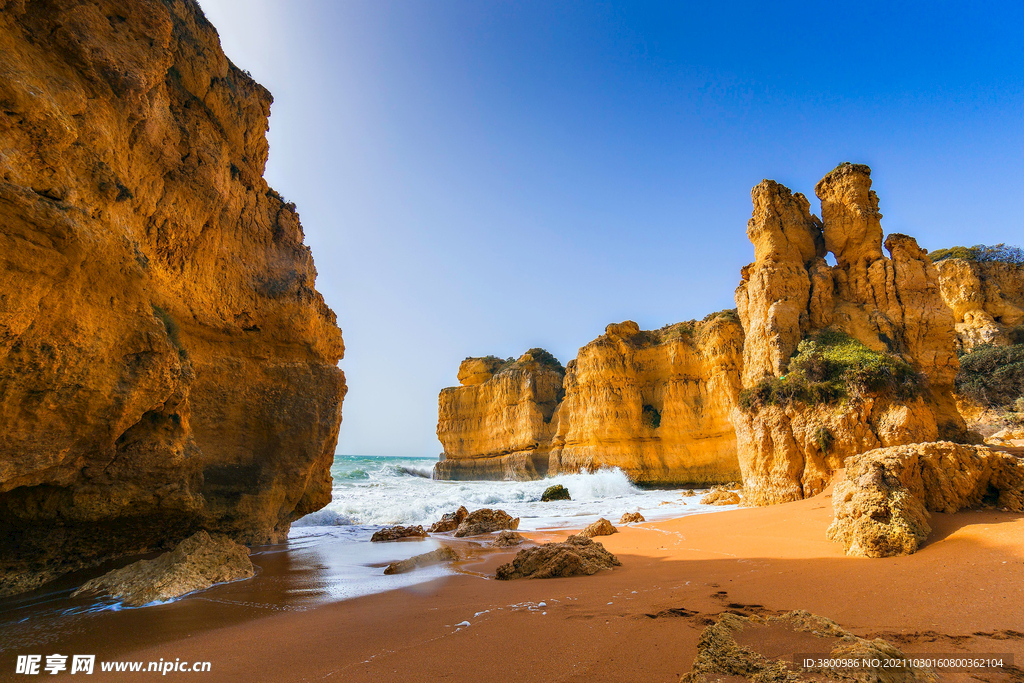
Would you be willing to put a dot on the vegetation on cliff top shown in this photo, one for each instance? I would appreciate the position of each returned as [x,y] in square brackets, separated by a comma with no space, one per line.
[981,253]
[994,375]
[831,367]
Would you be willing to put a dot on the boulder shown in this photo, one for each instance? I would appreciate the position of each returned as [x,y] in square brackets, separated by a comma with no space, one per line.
[758,648]
[720,497]
[198,562]
[631,518]
[394,533]
[438,556]
[575,557]
[508,539]
[601,527]
[556,492]
[449,521]
[485,521]
[881,507]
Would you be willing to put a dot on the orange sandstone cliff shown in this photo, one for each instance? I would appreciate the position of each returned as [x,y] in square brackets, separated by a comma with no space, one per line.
[890,305]
[166,364]
[654,404]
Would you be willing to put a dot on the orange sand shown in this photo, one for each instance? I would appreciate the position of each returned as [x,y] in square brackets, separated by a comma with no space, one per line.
[964,591]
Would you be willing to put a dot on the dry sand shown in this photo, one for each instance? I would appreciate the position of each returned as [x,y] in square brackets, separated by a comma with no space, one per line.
[964,591]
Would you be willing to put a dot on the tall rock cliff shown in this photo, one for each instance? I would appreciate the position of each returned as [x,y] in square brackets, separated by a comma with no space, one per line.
[498,424]
[166,364]
[654,404]
[883,373]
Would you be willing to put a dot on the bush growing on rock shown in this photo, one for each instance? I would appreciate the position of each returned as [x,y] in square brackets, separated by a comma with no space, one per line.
[981,253]
[831,367]
[992,375]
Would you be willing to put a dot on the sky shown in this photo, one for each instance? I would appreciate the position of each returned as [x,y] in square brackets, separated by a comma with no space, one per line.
[480,177]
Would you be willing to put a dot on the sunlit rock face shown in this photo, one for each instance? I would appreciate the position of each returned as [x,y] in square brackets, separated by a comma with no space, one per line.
[654,404]
[166,364]
[891,305]
[987,300]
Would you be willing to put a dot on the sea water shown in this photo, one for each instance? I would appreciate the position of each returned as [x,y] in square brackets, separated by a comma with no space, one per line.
[371,492]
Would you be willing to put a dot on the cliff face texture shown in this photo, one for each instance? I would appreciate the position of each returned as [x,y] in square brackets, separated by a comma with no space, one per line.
[655,404]
[165,362]
[987,300]
[890,305]
[498,424]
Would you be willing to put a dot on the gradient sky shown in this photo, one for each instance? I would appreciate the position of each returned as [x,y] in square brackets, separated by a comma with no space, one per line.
[483,177]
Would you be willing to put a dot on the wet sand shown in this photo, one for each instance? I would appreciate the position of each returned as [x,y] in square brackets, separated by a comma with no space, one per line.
[962,592]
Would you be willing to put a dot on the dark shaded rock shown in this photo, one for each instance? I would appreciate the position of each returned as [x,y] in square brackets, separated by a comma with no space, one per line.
[196,563]
[484,521]
[449,521]
[394,533]
[507,539]
[601,527]
[425,560]
[575,557]
[632,518]
[556,492]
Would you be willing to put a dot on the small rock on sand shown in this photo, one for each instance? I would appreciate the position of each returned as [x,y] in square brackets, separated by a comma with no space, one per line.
[449,521]
[426,559]
[508,539]
[394,533]
[575,557]
[721,497]
[631,518]
[601,527]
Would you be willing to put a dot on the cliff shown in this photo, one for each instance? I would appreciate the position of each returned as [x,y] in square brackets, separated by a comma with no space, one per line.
[986,297]
[840,359]
[166,364]
[498,424]
[655,404]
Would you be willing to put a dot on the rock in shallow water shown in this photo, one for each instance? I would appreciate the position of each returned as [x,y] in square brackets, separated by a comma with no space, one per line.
[426,559]
[485,521]
[575,557]
[197,563]
[631,518]
[449,521]
[507,539]
[394,533]
[721,497]
[556,492]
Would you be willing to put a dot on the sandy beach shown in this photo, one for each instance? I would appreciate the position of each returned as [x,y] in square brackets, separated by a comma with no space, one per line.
[961,593]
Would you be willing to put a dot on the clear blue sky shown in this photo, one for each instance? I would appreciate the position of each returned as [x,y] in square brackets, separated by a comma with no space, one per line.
[483,177]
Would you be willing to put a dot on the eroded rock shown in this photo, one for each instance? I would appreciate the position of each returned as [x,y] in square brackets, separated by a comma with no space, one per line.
[197,563]
[394,533]
[631,518]
[449,521]
[485,521]
[881,507]
[556,492]
[761,649]
[720,497]
[508,539]
[601,527]
[438,556]
[576,556]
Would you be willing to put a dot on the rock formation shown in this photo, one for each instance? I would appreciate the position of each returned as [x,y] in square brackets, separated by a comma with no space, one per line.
[577,556]
[882,504]
[987,300]
[438,556]
[601,527]
[886,313]
[631,518]
[165,362]
[556,492]
[396,533]
[654,404]
[508,539]
[498,424]
[485,521]
[197,563]
[762,649]
[719,496]
[449,521]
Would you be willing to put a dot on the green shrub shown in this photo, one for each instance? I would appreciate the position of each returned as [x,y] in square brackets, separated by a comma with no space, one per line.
[832,367]
[992,375]
[981,253]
